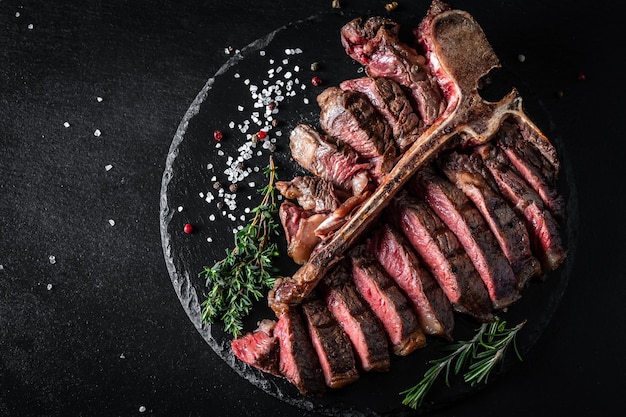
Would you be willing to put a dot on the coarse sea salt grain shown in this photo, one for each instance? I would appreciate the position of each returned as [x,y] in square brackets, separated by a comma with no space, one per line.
[49,287]
[52,259]
[66,124]
[112,222]
[99,99]
[108,167]
[97,133]
[180,208]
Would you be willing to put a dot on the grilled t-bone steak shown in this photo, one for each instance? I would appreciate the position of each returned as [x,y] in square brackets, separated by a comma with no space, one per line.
[448,34]
[460,221]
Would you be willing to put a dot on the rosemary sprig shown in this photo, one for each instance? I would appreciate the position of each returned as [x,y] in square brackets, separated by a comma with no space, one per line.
[478,356]
[239,279]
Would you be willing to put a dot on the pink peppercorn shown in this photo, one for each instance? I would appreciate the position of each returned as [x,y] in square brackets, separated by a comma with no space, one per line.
[188,228]
[218,135]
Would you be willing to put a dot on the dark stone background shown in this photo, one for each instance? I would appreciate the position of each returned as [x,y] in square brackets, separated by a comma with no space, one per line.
[110,335]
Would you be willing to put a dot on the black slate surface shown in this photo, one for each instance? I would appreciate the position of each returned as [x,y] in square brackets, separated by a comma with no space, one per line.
[98,329]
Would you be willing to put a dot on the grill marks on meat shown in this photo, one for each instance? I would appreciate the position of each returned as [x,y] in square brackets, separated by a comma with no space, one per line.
[460,215]
[531,164]
[387,302]
[357,320]
[389,99]
[319,156]
[259,348]
[542,226]
[469,174]
[444,256]
[349,117]
[331,344]
[463,238]
[299,363]
[312,193]
[374,43]
[434,311]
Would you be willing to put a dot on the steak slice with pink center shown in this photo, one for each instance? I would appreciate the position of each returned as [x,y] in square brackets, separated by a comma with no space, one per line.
[466,222]
[364,329]
[386,301]
[434,311]
[331,343]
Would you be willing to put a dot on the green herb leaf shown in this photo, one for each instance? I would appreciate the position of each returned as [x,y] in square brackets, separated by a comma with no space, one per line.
[237,281]
[478,356]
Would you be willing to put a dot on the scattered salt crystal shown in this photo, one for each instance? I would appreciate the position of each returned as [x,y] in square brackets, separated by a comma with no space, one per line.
[237,75]
[231,125]
[271,61]
[201,194]
[112,222]
[209,166]
[17,14]
[306,100]
[49,287]
[296,68]
[242,218]
[1,267]
[220,152]
[99,99]
[285,61]
[97,133]
[108,167]
[240,108]
[521,58]
[180,208]
[30,26]
[262,53]
[122,356]
[212,217]
[52,259]
[142,409]
[66,124]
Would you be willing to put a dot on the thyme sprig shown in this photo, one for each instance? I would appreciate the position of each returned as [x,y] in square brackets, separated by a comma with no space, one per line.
[239,279]
[477,356]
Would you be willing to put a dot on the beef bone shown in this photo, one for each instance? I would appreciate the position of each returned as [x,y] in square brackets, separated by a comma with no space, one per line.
[460,56]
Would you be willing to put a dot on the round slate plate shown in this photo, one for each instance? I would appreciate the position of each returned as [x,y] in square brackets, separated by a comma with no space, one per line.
[279,66]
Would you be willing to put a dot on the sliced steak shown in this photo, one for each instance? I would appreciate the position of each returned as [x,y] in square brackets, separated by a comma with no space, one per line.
[365,331]
[443,255]
[374,43]
[299,226]
[339,165]
[259,348]
[386,301]
[298,361]
[469,174]
[312,193]
[349,117]
[466,222]
[434,311]
[392,103]
[542,226]
[530,163]
[330,342]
